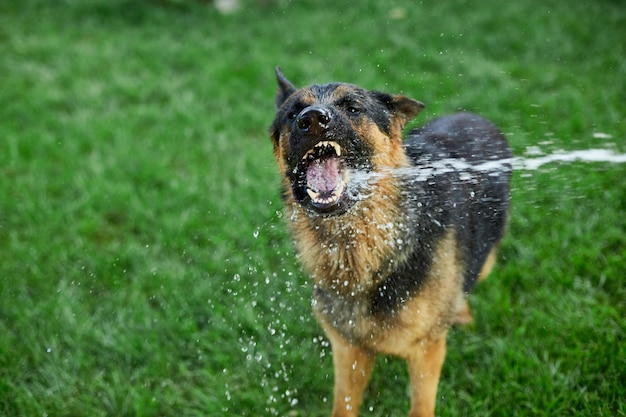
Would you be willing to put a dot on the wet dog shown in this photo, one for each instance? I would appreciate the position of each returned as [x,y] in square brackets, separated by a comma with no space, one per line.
[393,233]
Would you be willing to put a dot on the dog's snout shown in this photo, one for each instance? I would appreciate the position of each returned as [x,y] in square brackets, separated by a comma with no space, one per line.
[313,120]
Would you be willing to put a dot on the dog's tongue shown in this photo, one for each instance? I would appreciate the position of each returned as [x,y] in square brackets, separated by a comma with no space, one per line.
[323,175]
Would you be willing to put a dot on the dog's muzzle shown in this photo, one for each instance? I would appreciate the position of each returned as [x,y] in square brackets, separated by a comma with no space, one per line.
[320,175]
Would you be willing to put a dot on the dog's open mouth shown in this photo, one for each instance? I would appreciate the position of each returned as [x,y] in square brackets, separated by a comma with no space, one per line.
[323,174]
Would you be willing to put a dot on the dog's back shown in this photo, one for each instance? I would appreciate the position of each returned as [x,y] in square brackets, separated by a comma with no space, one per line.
[470,162]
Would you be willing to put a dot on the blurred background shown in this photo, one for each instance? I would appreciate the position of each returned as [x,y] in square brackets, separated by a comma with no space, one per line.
[145,269]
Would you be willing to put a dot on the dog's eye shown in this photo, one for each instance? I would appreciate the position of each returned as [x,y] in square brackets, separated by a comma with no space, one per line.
[292,115]
[351,106]
[354,109]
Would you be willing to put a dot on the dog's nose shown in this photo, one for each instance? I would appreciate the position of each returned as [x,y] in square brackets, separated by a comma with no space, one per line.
[313,120]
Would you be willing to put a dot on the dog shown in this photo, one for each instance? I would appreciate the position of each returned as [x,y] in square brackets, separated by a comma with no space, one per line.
[393,233]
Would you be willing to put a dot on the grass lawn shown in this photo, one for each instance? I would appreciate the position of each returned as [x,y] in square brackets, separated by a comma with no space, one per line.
[145,268]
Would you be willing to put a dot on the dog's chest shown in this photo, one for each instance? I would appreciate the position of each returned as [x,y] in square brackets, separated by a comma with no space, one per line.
[390,333]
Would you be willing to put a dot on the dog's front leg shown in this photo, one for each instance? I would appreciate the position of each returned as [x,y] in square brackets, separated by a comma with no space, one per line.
[425,363]
[353,367]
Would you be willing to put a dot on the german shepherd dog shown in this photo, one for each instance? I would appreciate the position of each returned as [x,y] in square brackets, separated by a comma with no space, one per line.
[394,234]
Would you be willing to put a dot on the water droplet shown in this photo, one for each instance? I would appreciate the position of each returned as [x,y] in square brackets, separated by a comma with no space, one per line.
[294,212]
[256,233]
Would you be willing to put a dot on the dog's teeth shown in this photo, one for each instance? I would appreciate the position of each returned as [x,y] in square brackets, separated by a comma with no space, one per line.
[314,196]
[337,148]
[310,154]
[334,197]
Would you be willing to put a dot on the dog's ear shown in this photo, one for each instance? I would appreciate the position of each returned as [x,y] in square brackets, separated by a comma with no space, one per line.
[285,88]
[403,109]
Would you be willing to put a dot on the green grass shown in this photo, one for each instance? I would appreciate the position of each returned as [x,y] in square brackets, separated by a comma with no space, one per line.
[145,269]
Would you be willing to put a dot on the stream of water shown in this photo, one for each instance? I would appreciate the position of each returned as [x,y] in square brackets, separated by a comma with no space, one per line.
[530,162]
[587,155]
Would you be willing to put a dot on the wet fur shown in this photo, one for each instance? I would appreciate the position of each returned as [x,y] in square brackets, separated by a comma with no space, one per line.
[391,273]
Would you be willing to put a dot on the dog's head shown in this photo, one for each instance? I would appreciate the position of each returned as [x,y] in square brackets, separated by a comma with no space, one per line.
[324,134]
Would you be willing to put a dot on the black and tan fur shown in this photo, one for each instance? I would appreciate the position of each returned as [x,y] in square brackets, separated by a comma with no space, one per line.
[393,233]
